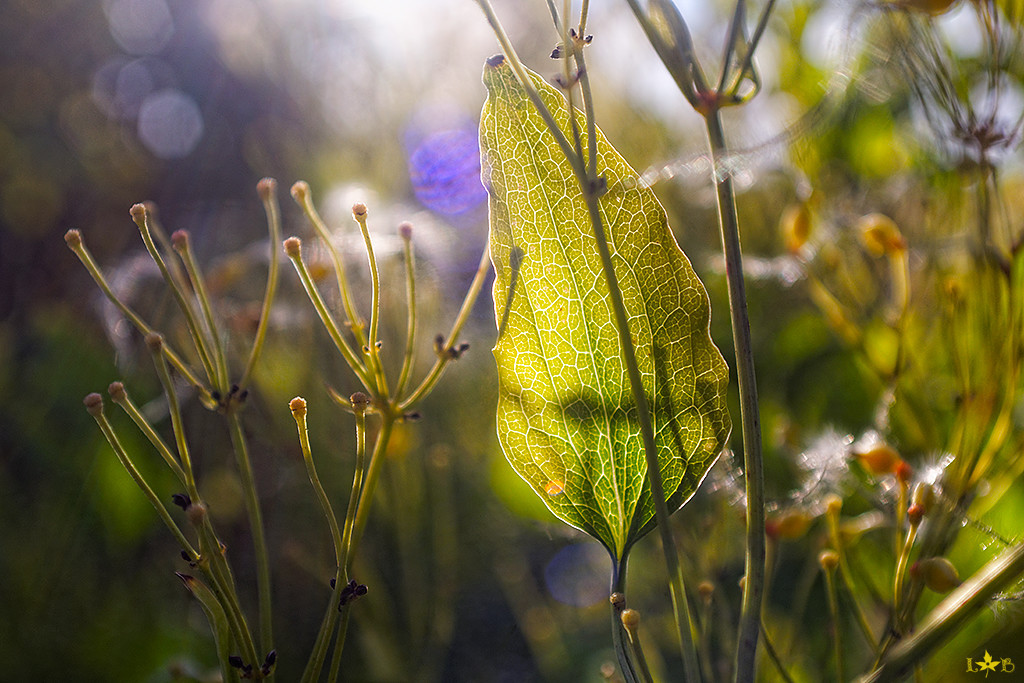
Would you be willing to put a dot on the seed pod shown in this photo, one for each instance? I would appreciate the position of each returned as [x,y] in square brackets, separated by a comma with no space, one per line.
[879,459]
[937,573]
[828,559]
[880,235]
[795,225]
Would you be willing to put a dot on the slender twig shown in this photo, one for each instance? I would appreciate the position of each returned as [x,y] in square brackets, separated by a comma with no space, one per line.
[372,343]
[267,189]
[75,243]
[750,614]
[259,539]
[408,357]
[182,245]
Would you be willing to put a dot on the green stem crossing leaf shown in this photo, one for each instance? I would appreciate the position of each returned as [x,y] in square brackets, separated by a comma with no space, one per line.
[566,418]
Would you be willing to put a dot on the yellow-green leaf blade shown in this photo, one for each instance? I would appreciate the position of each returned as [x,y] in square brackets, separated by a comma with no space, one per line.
[566,419]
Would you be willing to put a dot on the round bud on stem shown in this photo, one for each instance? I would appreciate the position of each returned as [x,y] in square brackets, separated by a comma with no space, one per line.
[923,496]
[94,404]
[880,235]
[828,559]
[180,240]
[879,459]
[405,231]
[298,406]
[73,238]
[904,472]
[360,401]
[196,513]
[630,619]
[937,573]
[915,513]
[706,590]
[790,525]
[293,247]
[300,191]
[359,211]
[833,504]
[266,188]
[117,392]
[139,213]
[155,341]
[617,599]
[795,225]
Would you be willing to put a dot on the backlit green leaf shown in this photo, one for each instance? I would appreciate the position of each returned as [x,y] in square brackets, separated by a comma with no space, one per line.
[566,418]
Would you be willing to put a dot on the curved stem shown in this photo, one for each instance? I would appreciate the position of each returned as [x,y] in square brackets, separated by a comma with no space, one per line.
[273,211]
[753,587]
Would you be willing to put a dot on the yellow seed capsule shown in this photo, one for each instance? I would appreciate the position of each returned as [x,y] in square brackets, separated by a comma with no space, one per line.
[795,225]
[790,525]
[879,459]
[630,619]
[880,235]
[828,559]
[924,496]
[937,573]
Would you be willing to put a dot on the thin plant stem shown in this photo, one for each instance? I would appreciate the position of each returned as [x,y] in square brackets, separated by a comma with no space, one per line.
[410,296]
[220,366]
[302,195]
[833,610]
[141,218]
[443,357]
[617,602]
[369,484]
[326,318]
[268,193]
[129,465]
[298,408]
[315,663]
[259,540]
[74,240]
[773,654]
[635,646]
[901,568]
[372,343]
[753,587]
[359,410]
[121,398]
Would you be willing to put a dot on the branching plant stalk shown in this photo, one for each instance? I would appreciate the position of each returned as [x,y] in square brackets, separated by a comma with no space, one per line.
[753,587]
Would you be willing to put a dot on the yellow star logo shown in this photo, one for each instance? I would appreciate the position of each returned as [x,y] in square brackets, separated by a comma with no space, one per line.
[988,665]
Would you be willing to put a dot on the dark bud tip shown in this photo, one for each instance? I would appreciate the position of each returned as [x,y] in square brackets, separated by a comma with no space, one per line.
[359,210]
[268,663]
[236,661]
[183,501]
[333,583]
[117,392]
[266,188]
[360,590]
[405,231]
[215,395]
[556,53]
[411,416]
[73,238]
[496,60]
[94,404]
[588,39]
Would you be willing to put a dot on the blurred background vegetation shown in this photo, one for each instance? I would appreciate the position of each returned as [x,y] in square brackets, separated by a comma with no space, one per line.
[188,103]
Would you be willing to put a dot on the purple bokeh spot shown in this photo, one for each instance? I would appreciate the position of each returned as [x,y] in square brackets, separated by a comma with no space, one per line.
[445,171]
